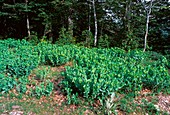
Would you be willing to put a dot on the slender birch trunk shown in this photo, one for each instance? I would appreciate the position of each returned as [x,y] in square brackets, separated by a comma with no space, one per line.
[95,22]
[28,23]
[45,30]
[148,12]
[146,33]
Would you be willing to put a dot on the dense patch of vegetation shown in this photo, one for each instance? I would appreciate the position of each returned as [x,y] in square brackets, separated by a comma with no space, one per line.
[95,73]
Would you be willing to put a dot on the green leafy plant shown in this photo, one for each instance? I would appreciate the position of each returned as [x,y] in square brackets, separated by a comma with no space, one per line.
[96,73]
[41,74]
[6,83]
[88,38]
[131,42]
[104,42]
[43,89]
[109,103]
[21,88]
[65,38]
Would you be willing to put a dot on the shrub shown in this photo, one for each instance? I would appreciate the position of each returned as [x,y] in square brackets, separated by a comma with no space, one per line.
[104,42]
[65,38]
[97,73]
[43,89]
[6,83]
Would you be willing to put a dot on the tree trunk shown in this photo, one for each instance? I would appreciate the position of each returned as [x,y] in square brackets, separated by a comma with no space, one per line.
[28,23]
[70,26]
[148,12]
[89,23]
[95,22]
[70,23]
[146,32]
[48,32]
[28,27]
[128,15]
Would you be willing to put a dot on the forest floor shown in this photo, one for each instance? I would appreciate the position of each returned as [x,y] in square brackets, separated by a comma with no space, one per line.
[18,104]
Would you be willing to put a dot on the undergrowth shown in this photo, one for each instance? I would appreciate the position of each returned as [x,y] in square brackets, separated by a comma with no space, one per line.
[96,74]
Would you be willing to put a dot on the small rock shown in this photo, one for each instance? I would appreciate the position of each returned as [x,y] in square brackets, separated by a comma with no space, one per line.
[15,107]
[16,113]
